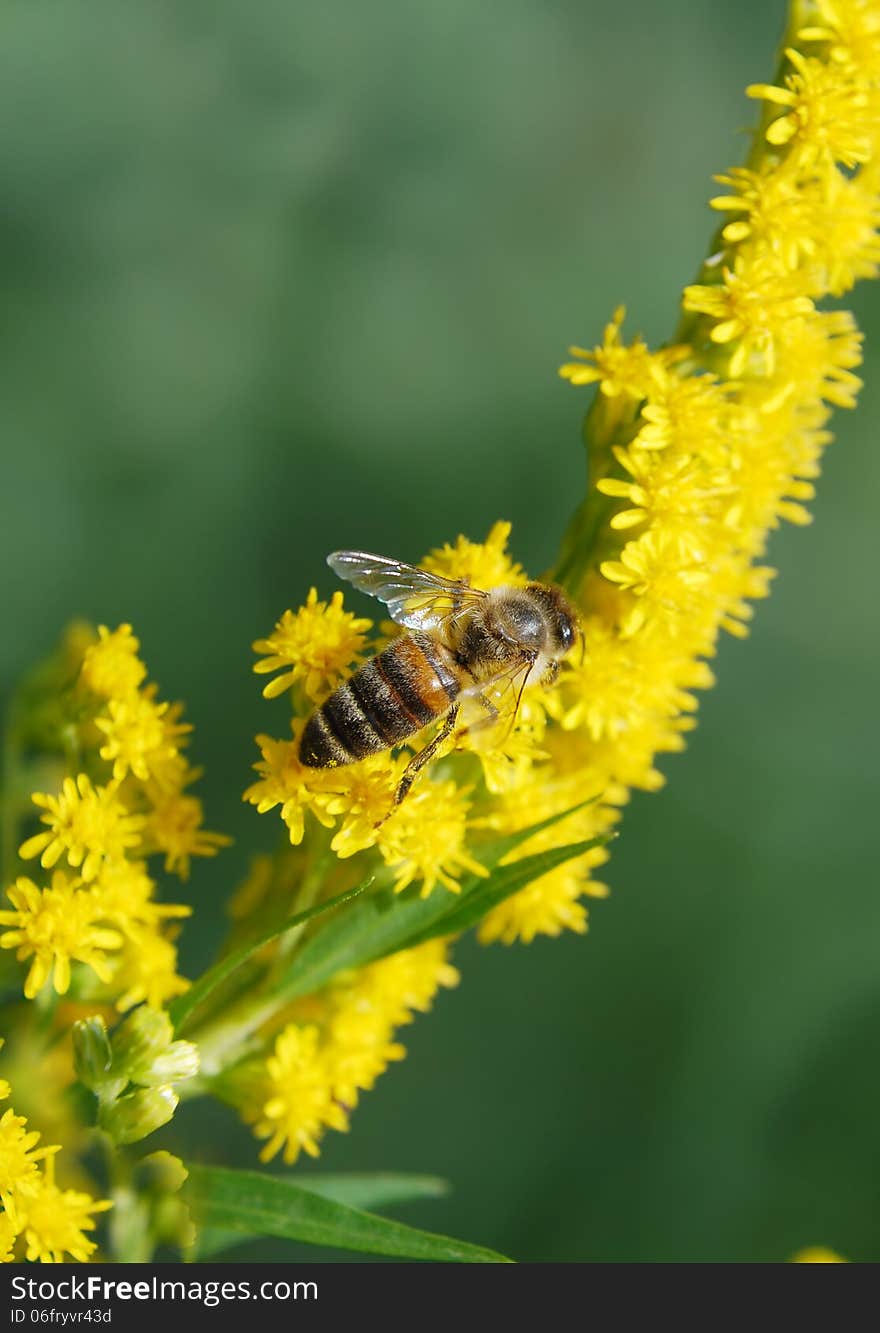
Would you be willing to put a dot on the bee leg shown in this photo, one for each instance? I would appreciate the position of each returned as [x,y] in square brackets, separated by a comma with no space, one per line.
[418,761]
[491,717]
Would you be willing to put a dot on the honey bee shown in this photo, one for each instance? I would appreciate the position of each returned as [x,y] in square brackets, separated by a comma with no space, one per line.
[464,645]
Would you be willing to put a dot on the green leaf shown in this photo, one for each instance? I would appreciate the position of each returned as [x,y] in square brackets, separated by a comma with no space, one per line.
[373,1189]
[255,1204]
[380,1189]
[494,850]
[384,921]
[503,883]
[181,1008]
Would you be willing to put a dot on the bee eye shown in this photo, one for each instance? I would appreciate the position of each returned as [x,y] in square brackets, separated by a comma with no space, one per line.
[567,633]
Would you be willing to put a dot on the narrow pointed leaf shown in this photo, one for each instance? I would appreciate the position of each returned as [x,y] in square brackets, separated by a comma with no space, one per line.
[256,1204]
[181,1008]
[383,921]
[503,883]
[380,1189]
[373,1189]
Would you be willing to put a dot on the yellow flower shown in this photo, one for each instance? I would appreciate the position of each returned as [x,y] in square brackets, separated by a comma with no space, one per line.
[483,564]
[816,359]
[286,782]
[87,823]
[507,756]
[124,894]
[701,489]
[8,1236]
[111,667]
[425,839]
[364,796]
[852,28]
[653,567]
[55,927]
[828,113]
[667,488]
[344,1041]
[817,1255]
[56,1220]
[147,969]
[754,304]
[683,409]
[141,736]
[826,223]
[19,1155]
[547,906]
[314,646]
[299,1103]
[616,367]
[174,826]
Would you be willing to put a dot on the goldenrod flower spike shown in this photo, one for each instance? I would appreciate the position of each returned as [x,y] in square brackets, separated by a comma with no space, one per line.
[316,1067]
[698,451]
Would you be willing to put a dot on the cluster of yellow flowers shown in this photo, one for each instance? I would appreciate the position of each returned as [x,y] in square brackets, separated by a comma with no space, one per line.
[335,1046]
[124,802]
[697,451]
[39,1221]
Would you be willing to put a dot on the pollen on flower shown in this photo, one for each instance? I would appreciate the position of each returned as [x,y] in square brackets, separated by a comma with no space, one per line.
[312,646]
[87,824]
[425,839]
[111,667]
[55,927]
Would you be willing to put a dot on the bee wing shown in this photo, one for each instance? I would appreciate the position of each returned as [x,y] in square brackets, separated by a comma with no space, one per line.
[414,598]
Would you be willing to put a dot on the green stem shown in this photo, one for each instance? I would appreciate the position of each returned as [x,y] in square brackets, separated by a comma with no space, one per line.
[310,887]
[582,545]
[224,1040]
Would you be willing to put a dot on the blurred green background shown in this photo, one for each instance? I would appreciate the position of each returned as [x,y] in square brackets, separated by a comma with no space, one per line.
[280,278]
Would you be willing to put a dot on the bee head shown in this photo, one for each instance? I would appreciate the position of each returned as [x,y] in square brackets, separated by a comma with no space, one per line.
[559,616]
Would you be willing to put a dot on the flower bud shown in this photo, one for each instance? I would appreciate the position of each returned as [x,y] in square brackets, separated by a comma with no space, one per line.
[93,1058]
[180,1061]
[144,1052]
[140,1038]
[160,1173]
[139,1113]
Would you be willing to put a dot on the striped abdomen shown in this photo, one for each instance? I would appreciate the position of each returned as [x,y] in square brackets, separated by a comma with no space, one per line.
[409,684]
